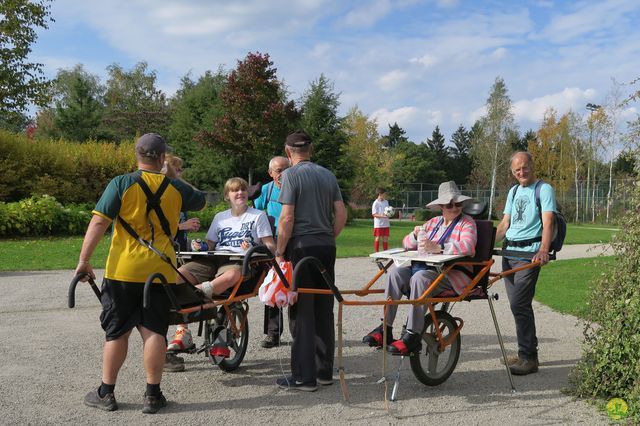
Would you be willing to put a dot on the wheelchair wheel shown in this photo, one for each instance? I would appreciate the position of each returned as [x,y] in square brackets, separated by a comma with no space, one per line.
[236,337]
[430,366]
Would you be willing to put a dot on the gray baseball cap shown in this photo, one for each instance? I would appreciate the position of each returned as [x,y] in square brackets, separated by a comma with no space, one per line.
[151,145]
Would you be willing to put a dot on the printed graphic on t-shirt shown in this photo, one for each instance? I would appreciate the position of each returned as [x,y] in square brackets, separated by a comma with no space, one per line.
[228,237]
[520,212]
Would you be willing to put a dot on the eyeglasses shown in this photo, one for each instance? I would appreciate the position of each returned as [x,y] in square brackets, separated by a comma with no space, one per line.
[279,170]
[521,170]
[451,205]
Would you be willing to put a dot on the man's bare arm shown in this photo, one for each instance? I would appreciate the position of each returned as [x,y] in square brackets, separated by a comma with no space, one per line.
[285,228]
[340,217]
[96,229]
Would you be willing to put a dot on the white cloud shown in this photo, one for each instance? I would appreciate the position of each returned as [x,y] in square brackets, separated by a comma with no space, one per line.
[427,60]
[367,14]
[392,79]
[571,98]
[499,53]
[408,117]
[447,3]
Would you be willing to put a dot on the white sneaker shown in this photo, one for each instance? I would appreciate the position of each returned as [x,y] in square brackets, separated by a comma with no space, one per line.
[182,341]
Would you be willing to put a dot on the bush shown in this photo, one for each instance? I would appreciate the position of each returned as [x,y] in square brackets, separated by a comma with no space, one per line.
[206,215]
[423,215]
[610,364]
[71,172]
[42,215]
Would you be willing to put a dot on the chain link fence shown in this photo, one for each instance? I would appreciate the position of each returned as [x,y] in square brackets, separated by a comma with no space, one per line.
[590,201]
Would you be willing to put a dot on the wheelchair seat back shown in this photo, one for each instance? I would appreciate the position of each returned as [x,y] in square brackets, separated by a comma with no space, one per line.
[484,251]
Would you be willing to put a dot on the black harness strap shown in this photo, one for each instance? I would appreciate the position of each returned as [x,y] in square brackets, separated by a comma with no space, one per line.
[153,202]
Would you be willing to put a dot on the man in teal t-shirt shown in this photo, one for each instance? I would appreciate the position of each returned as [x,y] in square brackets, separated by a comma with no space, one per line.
[527,230]
[268,201]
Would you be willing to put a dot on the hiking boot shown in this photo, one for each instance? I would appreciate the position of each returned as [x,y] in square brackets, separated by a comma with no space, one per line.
[106,403]
[409,343]
[270,342]
[182,341]
[511,360]
[293,384]
[374,338]
[173,363]
[153,403]
[524,367]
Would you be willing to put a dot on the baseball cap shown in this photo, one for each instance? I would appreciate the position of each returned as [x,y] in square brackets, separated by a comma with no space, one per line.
[298,139]
[151,145]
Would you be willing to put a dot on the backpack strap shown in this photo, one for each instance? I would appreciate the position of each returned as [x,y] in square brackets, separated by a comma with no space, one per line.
[153,201]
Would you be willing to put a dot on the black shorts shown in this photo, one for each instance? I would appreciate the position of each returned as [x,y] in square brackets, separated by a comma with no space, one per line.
[122,308]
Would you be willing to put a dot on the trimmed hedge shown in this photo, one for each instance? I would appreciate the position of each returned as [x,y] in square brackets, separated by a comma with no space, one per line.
[71,172]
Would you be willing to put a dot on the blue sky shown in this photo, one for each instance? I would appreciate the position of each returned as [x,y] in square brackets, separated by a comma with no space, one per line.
[420,63]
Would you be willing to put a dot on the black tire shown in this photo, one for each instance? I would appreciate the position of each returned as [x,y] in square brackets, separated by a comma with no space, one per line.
[430,366]
[238,342]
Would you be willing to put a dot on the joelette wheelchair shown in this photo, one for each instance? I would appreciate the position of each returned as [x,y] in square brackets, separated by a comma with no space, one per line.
[222,318]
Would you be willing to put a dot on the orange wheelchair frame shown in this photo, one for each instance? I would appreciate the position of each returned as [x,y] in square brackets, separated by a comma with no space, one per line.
[222,317]
[441,334]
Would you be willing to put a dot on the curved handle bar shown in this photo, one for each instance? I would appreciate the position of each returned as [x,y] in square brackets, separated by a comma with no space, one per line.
[315,262]
[260,249]
[71,295]
[146,292]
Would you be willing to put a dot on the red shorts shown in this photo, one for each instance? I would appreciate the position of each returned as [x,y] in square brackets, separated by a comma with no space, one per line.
[380,232]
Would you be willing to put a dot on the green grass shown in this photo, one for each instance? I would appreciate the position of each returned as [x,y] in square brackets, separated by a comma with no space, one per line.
[566,284]
[356,240]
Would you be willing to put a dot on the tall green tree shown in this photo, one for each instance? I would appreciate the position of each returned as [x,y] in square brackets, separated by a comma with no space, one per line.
[490,149]
[133,103]
[77,107]
[437,144]
[395,136]
[195,107]
[257,116]
[416,163]
[21,82]
[460,156]
[321,121]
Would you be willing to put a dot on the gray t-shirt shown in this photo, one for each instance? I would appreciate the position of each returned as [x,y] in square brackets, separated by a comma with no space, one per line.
[312,189]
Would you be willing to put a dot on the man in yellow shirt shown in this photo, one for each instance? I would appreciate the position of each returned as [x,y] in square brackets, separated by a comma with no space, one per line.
[125,204]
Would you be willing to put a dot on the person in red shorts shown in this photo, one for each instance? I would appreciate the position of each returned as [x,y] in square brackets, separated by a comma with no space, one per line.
[380,220]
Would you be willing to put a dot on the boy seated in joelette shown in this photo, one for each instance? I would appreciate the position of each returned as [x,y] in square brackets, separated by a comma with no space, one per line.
[236,229]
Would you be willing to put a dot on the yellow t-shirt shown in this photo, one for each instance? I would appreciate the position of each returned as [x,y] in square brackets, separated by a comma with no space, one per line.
[129,260]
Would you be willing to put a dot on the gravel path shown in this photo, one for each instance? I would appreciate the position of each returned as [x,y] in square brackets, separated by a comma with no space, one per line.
[51,356]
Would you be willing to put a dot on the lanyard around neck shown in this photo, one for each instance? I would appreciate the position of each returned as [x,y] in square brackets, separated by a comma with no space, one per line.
[447,232]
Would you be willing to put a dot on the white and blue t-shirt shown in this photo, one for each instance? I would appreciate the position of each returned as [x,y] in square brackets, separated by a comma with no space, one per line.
[525,219]
[228,231]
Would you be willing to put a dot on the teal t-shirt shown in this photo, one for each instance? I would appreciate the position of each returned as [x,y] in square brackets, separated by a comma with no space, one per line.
[525,220]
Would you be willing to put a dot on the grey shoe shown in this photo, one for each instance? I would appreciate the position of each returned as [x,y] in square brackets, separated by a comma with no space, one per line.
[152,404]
[291,383]
[173,363]
[324,382]
[524,367]
[106,403]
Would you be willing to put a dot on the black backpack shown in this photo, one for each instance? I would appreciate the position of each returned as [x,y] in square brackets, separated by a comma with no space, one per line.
[559,224]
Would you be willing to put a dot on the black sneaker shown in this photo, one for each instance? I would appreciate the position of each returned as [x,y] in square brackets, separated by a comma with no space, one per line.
[153,403]
[270,342]
[291,383]
[374,338]
[173,363]
[106,403]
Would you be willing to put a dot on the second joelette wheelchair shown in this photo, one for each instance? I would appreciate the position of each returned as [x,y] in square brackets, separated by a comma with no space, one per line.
[441,341]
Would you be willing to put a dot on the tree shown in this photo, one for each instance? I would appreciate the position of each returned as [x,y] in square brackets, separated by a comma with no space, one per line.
[21,82]
[415,163]
[77,106]
[133,104]
[257,116]
[460,155]
[490,150]
[321,122]
[437,144]
[195,107]
[395,136]
[523,143]
[371,164]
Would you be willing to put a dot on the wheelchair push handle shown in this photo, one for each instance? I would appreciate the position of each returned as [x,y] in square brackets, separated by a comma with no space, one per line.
[315,262]
[259,249]
[146,292]
[71,296]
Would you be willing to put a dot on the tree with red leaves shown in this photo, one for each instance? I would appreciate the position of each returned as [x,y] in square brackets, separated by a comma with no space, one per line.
[257,115]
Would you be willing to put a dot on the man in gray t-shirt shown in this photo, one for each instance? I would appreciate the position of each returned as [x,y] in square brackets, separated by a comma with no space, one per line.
[312,217]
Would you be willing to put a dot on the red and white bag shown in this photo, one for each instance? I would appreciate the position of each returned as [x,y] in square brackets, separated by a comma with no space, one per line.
[273,292]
